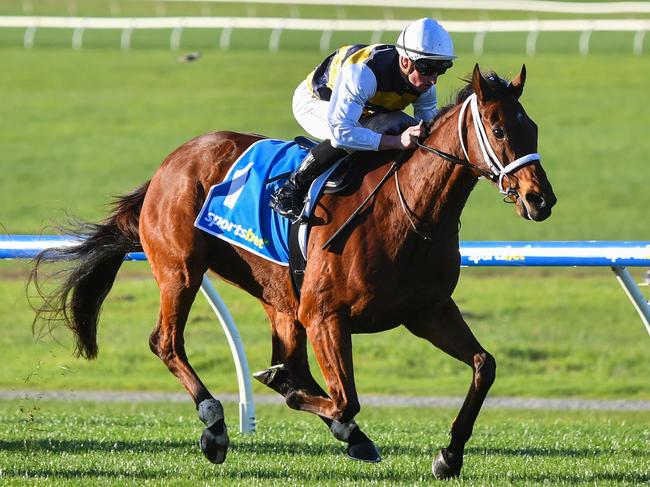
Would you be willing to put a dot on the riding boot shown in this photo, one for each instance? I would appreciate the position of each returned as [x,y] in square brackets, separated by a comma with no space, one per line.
[288,201]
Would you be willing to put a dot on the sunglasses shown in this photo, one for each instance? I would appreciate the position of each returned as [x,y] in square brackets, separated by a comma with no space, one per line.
[429,67]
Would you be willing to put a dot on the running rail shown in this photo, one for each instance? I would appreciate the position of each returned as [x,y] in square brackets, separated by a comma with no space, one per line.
[327,27]
[618,255]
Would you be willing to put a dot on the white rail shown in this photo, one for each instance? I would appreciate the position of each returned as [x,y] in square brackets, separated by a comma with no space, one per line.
[326,26]
[486,5]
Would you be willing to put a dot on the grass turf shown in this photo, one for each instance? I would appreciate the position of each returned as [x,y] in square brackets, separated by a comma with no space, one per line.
[148,444]
[80,127]
[565,333]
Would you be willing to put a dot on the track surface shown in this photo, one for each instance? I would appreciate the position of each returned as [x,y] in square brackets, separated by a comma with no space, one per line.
[404,401]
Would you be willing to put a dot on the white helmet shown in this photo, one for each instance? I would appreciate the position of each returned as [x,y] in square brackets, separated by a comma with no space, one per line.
[425,39]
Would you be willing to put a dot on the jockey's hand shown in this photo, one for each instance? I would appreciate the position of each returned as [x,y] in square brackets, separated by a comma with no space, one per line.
[405,140]
[410,136]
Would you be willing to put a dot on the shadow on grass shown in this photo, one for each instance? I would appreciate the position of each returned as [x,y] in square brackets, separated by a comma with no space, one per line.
[85,446]
[553,452]
[156,446]
[557,478]
[85,473]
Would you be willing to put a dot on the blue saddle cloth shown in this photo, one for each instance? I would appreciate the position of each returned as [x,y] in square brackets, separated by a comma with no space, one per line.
[237,210]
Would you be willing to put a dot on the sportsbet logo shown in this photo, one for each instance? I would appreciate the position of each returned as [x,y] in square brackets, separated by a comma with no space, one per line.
[237,230]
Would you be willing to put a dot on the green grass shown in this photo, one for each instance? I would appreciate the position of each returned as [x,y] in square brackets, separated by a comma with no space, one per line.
[80,127]
[148,444]
[560,333]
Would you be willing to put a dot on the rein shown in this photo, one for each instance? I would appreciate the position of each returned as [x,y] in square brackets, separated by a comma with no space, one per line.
[498,173]
[393,169]
[458,161]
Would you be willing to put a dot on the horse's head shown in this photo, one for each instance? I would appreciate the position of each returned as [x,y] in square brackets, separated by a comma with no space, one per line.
[501,138]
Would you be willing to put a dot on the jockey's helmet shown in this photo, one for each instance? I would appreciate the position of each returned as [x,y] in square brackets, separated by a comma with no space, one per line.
[425,39]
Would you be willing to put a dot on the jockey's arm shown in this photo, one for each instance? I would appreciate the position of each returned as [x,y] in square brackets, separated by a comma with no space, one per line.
[424,109]
[354,86]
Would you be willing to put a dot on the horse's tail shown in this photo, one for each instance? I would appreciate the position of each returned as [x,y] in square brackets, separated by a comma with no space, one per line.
[94,263]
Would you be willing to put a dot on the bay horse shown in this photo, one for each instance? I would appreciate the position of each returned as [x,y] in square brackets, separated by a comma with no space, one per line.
[398,264]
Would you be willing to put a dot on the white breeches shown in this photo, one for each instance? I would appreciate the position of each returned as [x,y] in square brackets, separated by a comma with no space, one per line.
[310,112]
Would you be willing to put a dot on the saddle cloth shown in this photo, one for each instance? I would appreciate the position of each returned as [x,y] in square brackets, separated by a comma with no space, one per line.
[237,209]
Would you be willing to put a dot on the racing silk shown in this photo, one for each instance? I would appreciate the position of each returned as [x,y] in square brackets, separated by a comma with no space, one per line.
[361,80]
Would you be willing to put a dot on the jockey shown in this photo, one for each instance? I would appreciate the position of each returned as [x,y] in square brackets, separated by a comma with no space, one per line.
[353,101]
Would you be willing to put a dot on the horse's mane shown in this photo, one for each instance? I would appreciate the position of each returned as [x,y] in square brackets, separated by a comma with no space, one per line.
[493,80]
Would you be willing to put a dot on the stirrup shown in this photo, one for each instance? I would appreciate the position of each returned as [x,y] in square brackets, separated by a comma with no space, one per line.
[285,208]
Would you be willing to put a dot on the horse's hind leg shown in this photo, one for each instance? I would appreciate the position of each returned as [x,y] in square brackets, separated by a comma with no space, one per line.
[290,375]
[178,287]
[444,327]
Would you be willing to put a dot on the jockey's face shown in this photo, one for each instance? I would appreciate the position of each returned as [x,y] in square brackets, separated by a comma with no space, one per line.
[422,82]
[420,79]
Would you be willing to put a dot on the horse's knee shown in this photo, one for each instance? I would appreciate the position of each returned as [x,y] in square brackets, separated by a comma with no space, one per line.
[485,370]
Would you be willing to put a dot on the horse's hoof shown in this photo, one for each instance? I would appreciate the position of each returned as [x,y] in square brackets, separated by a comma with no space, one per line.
[214,442]
[446,465]
[266,376]
[364,451]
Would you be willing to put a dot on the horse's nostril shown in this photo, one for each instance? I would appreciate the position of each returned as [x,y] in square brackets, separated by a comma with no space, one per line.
[536,200]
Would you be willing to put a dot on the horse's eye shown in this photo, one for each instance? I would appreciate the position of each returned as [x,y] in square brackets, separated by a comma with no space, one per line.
[498,132]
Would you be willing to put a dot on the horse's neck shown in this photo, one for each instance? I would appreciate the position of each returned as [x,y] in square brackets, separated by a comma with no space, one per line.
[436,190]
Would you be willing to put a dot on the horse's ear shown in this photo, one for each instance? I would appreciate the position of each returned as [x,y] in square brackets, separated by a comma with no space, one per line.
[479,84]
[516,86]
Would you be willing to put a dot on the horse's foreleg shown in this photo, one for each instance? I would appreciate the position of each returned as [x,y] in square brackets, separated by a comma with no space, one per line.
[177,292]
[333,350]
[290,375]
[445,328]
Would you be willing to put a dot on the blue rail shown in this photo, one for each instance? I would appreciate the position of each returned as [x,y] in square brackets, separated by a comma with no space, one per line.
[473,253]
[617,255]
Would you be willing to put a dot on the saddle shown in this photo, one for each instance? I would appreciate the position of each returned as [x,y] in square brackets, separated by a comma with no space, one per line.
[344,174]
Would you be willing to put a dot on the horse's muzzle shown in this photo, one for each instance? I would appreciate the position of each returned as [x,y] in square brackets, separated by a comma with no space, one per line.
[535,206]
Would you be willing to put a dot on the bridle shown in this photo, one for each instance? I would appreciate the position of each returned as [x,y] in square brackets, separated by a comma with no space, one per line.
[498,173]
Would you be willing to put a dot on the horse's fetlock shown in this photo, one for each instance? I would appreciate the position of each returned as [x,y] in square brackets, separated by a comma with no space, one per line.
[343,431]
[447,464]
[348,411]
[293,400]
[210,412]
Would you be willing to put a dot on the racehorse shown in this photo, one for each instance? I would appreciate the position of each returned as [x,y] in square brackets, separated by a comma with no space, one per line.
[396,264]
